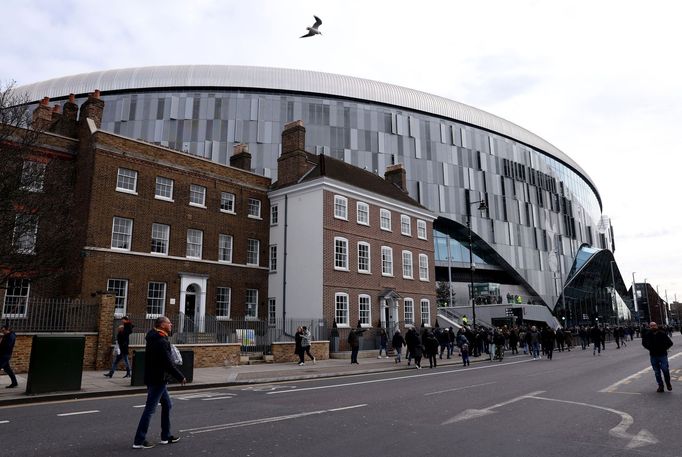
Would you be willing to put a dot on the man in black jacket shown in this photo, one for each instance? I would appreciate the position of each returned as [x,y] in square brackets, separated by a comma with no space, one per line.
[658,343]
[157,362]
[6,348]
[123,340]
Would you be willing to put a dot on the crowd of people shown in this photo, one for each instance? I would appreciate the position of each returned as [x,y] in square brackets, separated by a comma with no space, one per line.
[495,342]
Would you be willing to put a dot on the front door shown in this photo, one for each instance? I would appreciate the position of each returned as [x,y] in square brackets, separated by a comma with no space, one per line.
[190,312]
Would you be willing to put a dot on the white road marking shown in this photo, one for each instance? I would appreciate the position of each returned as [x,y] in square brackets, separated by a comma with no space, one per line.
[473,413]
[265,420]
[459,388]
[399,378]
[643,438]
[4,422]
[612,388]
[227,397]
[78,413]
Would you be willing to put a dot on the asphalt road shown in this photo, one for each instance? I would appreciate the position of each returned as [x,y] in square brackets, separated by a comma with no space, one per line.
[577,404]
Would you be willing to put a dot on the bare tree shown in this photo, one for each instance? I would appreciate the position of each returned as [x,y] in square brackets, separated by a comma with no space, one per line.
[443,294]
[36,195]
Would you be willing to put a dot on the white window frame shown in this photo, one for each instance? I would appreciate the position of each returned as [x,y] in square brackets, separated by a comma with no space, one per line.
[225,243]
[253,208]
[250,252]
[369,257]
[121,295]
[19,302]
[195,190]
[164,185]
[273,258]
[128,236]
[341,314]
[423,267]
[422,234]
[274,215]
[405,225]
[123,179]
[362,208]
[408,266]
[408,311]
[385,219]
[25,233]
[365,321]
[162,298]
[425,312]
[165,241]
[33,176]
[272,311]
[249,298]
[340,207]
[223,307]
[195,242]
[386,261]
[340,256]
[227,203]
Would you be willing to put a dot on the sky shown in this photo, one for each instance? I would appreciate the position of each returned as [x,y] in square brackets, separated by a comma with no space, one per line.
[599,79]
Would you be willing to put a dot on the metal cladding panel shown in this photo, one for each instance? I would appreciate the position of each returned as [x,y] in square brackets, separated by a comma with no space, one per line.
[229,76]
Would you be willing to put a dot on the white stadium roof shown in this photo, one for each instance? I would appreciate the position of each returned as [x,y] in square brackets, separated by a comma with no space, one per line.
[280,79]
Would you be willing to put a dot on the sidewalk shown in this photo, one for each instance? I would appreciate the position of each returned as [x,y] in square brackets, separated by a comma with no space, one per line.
[95,384]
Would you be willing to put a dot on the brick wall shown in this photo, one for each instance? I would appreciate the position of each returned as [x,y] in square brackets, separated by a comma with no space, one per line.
[207,355]
[354,283]
[283,352]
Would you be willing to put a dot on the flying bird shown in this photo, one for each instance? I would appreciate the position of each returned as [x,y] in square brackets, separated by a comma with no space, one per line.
[312,31]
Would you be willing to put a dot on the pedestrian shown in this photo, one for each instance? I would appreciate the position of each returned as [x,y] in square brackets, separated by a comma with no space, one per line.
[123,342]
[398,342]
[6,348]
[431,345]
[548,339]
[306,343]
[533,338]
[157,363]
[464,350]
[354,343]
[298,345]
[414,346]
[383,343]
[658,343]
[595,334]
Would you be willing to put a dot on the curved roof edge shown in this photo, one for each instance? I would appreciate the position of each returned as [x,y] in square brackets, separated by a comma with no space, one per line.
[158,77]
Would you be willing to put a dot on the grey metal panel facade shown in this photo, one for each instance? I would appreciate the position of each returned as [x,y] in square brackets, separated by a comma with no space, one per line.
[226,76]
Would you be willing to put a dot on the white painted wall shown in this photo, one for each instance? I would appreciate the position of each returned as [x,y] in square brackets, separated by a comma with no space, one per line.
[303,210]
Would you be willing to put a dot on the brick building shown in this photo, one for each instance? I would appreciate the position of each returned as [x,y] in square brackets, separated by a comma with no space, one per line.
[167,232]
[346,245]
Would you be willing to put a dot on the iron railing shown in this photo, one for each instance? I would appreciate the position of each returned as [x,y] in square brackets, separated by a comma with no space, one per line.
[255,336]
[53,315]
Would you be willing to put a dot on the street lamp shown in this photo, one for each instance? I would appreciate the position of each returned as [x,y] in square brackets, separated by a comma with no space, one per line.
[482,206]
[613,293]
[634,298]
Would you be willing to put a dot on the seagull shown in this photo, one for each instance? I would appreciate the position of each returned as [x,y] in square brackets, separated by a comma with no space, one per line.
[312,31]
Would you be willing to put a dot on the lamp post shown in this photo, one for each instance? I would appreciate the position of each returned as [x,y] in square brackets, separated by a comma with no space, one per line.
[613,294]
[482,206]
[634,299]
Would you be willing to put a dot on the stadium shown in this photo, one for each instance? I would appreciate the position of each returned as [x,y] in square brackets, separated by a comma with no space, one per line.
[520,224]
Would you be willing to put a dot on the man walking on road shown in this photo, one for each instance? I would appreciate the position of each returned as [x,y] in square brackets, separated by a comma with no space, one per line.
[157,363]
[6,348]
[658,343]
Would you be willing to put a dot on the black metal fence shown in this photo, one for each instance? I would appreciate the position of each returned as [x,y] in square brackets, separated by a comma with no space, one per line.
[54,315]
[255,336]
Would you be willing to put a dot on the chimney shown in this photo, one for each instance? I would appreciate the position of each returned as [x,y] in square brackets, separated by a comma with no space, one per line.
[241,157]
[293,137]
[93,108]
[56,113]
[42,115]
[396,174]
[293,163]
[69,117]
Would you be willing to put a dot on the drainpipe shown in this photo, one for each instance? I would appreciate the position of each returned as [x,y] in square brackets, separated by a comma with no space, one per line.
[284,268]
